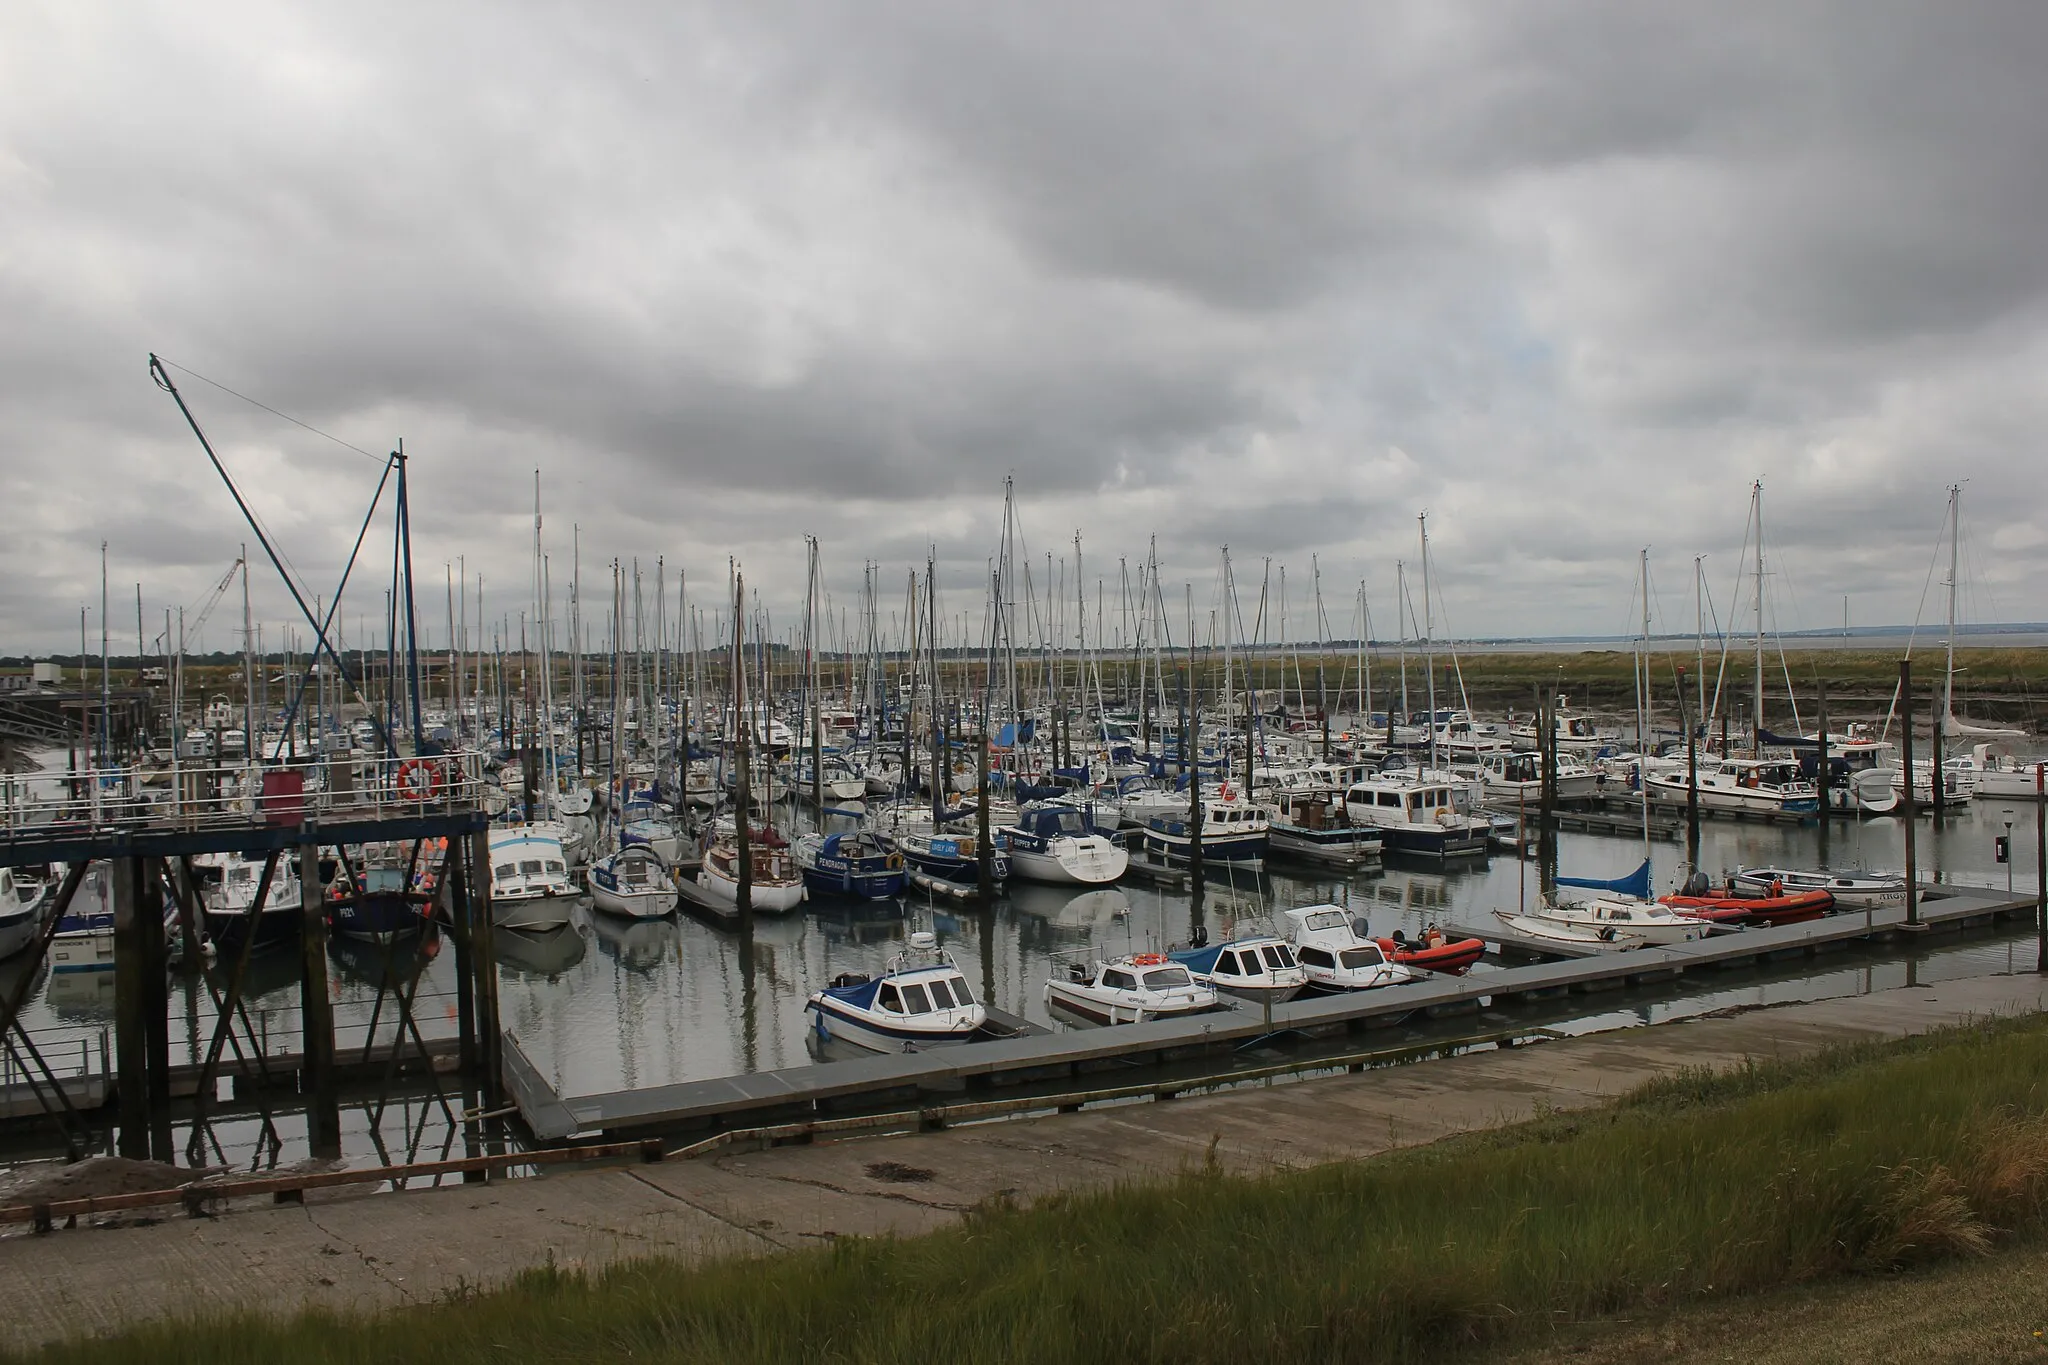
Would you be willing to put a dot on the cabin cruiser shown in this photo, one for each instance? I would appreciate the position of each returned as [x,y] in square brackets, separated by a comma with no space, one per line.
[1232,832]
[21,916]
[231,907]
[1418,816]
[633,882]
[1313,824]
[856,865]
[1756,786]
[1258,967]
[530,886]
[921,1000]
[1056,844]
[1334,957]
[1619,915]
[1508,778]
[1129,990]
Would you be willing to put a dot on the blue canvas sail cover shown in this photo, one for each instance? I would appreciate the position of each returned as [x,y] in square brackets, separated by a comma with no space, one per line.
[1636,883]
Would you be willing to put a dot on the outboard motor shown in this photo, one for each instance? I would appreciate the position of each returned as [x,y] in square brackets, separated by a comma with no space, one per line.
[1696,885]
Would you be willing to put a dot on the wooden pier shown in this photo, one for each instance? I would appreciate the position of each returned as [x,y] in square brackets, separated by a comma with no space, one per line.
[1182,1051]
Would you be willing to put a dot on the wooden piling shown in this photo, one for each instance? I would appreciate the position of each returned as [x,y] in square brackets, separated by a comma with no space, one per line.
[131,1043]
[316,1013]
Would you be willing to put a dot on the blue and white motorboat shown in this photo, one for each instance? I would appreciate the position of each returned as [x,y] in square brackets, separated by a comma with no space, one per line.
[1335,957]
[21,915]
[633,882]
[855,865]
[922,1000]
[1058,845]
[1257,967]
[1236,832]
[1314,825]
[951,857]
[1129,990]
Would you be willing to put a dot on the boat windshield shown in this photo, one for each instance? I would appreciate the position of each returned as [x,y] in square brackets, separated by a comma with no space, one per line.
[1279,956]
[1361,957]
[1167,978]
[1324,919]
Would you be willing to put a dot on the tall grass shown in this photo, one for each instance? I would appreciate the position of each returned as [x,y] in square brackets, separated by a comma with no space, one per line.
[1697,1186]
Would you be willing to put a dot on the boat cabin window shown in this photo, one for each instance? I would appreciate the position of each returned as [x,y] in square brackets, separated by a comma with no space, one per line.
[1390,798]
[1119,980]
[961,995]
[942,997]
[1363,956]
[888,999]
[1317,957]
[530,866]
[505,872]
[557,868]
[1279,956]
[1226,965]
[1166,978]
[1324,919]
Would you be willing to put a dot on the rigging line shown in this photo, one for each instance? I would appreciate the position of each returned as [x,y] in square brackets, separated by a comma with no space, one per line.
[273,411]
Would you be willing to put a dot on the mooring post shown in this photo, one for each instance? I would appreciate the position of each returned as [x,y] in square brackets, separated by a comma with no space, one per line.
[1822,778]
[316,1013]
[460,920]
[156,1004]
[131,1038]
[484,962]
[1906,803]
[984,856]
[2040,863]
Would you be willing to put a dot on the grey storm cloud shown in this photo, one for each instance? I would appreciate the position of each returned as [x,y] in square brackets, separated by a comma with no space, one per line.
[1566,277]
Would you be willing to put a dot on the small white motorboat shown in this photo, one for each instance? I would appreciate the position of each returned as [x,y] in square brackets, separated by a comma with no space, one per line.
[633,882]
[530,886]
[1642,919]
[922,1000]
[1129,990]
[1334,957]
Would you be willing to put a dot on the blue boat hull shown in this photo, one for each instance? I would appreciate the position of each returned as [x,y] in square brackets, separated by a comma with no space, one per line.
[878,885]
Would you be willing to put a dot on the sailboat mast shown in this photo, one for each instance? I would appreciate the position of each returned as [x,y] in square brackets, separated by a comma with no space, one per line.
[1948,686]
[1757,720]
[1428,643]
[1643,707]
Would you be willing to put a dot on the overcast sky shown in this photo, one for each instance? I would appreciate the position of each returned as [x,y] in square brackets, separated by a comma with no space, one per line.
[1567,277]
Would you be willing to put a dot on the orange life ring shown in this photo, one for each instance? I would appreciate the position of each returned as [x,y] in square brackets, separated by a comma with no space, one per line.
[419,779]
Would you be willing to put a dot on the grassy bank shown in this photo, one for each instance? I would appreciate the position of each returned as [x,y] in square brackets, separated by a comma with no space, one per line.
[1688,1193]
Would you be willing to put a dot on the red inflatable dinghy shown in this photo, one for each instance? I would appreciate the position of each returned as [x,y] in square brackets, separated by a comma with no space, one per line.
[1434,950]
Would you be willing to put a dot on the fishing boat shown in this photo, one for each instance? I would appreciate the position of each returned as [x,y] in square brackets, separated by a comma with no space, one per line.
[1314,825]
[1754,786]
[632,882]
[855,865]
[1128,990]
[1433,950]
[1854,890]
[776,885]
[232,911]
[530,886]
[389,895]
[921,1000]
[1334,957]
[1258,967]
[1058,845]
[1418,817]
[952,858]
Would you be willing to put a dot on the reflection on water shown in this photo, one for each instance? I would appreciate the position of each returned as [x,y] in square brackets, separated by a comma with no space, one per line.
[607,1003]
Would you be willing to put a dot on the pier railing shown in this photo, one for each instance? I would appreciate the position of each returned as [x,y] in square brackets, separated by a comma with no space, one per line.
[193,797]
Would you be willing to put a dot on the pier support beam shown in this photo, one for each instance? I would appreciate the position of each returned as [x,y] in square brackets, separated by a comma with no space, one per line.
[316,1014]
[141,1012]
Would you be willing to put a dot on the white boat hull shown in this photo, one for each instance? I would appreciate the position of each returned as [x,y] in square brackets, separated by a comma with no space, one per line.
[531,913]
[771,898]
[1092,864]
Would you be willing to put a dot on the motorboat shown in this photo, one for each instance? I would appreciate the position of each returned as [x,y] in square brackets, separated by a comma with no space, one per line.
[855,865]
[232,911]
[1433,950]
[389,895]
[1313,825]
[21,916]
[530,886]
[921,1000]
[1571,938]
[1334,957]
[1419,816]
[1258,967]
[2002,777]
[1237,832]
[1058,845]
[1853,890]
[1738,903]
[1517,776]
[632,882]
[1128,990]
[1754,786]
[776,886]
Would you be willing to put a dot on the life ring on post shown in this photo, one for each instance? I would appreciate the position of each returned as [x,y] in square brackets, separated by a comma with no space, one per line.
[419,779]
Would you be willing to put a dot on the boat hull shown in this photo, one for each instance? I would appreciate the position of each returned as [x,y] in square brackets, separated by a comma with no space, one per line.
[1097,1009]
[532,914]
[835,1020]
[1054,869]
[377,918]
